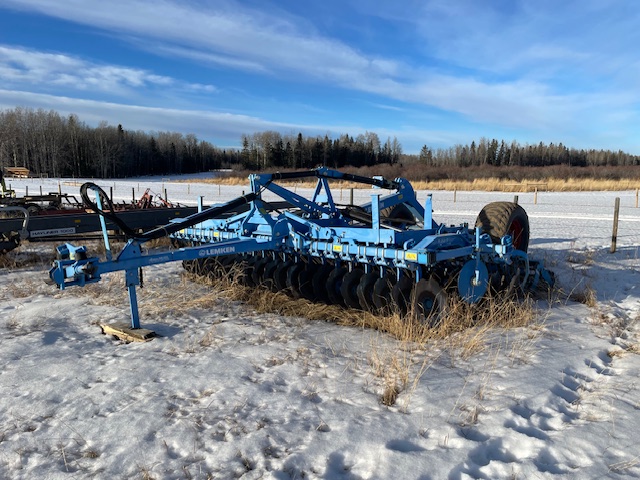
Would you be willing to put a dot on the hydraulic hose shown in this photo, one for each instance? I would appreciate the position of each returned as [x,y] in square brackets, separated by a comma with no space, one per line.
[108,214]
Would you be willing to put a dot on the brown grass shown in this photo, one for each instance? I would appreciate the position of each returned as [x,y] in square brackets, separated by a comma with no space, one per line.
[23,258]
[492,184]
[460,317]
[463,331]
[483,178]
[551,184]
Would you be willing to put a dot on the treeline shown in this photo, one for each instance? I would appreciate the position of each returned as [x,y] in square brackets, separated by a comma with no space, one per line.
[502,154]
[48,143]
[269,149]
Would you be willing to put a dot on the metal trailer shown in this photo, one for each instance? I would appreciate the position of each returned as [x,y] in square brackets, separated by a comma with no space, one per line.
[386,253]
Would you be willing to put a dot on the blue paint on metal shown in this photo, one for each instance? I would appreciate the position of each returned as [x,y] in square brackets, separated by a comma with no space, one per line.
[410,244]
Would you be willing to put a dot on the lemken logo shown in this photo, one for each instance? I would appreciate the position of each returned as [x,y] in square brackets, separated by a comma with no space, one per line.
[211,252]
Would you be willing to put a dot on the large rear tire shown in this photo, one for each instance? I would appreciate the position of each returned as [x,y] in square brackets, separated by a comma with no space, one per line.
[505,218]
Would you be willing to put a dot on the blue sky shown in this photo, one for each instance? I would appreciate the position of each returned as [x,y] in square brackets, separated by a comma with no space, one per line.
[434,72]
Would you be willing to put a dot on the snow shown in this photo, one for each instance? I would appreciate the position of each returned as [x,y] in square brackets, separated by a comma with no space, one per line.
[226,392]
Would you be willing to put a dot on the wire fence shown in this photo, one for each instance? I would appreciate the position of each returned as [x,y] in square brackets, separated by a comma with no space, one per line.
[567,216]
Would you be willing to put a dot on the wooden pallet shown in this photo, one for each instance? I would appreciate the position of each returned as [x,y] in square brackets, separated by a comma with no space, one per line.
[124,332]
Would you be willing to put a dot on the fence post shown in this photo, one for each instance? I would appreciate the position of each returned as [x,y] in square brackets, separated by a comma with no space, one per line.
[133,194]
[515,199]
[40,190]
[614,235]
[535,197]
[59,188]
[351,196]
[637,190]
[455,192]
[111,193]
[166,197]
[26,190]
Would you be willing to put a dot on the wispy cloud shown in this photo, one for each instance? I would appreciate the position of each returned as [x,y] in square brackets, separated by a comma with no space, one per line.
[225,127]
[510,64]
[20,67]
[475,36]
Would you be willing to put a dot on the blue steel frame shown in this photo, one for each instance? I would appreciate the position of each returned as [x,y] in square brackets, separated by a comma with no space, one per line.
[316,228]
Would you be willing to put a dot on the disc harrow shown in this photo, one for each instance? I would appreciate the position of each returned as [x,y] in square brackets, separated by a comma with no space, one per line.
[387,254]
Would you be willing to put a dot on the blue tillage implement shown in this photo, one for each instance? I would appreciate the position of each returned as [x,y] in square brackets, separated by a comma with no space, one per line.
[387,253]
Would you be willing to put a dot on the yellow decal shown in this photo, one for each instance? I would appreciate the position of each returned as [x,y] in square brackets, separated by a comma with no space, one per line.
[216,234]
[337,248]
[411,256]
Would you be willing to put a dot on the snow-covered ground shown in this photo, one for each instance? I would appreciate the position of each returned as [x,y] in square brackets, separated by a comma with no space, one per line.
[228,393]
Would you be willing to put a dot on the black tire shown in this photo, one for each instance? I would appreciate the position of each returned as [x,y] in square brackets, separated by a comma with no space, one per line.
[401,294]
[365,291]
[334,286]
[429,302]
[33,208]
[349,288]
[501,218]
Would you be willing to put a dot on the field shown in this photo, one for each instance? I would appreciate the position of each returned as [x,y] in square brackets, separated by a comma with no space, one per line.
[227,392]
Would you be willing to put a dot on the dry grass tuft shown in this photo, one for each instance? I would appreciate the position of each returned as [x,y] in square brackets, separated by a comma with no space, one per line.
[390,395]
[493,312]
[20,259]
[586,295]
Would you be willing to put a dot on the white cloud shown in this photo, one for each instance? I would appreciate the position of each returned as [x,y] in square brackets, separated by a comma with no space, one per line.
[252,40]
[213,125]
[20,67]
[512,64]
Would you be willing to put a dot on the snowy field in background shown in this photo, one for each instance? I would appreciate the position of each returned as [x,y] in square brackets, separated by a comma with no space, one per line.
[227,393]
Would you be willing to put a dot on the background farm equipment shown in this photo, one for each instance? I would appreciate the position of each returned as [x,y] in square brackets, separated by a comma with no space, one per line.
[55,216]
[388,253]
